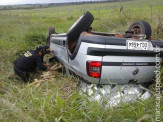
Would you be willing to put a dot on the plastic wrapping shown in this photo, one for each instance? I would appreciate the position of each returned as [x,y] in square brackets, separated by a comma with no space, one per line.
[114,95]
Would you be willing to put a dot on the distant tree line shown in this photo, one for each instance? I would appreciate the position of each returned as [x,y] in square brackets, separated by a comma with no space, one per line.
[33,6]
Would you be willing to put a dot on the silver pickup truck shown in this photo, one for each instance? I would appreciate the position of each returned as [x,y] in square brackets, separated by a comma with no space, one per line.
[103,58]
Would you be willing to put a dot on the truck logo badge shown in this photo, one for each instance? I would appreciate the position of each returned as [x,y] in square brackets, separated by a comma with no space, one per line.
[135,71]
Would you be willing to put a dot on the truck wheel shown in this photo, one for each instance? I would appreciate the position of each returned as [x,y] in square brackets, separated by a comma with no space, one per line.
[82,24]
[141,27]
[51,31]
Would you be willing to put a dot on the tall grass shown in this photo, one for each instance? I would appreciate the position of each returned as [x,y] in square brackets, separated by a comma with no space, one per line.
[60,100]
[47,103]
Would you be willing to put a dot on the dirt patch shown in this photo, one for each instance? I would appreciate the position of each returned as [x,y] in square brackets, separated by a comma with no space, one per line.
[68,87]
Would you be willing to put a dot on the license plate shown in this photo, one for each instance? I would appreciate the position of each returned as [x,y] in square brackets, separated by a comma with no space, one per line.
[137,45]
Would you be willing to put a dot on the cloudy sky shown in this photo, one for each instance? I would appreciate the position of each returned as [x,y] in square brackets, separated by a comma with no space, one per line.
[13,2]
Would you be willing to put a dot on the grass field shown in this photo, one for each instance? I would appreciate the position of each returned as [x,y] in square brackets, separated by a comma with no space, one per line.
[59,100]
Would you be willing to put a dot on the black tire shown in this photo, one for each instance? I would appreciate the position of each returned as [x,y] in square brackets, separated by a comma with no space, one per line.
[51,31]
[141,27]
[82,24]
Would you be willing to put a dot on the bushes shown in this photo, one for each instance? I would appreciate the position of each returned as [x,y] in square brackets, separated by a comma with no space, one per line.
[35,38]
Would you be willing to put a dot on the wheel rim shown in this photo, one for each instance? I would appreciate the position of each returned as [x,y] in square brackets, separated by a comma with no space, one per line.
[136,29]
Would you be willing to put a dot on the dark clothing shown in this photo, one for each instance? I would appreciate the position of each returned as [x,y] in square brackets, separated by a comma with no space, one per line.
[23,74]
[28,63]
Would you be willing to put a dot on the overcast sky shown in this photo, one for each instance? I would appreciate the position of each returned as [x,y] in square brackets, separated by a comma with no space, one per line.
[13,2]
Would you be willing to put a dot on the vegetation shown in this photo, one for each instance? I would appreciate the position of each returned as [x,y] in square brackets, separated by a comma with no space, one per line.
[34,6]
[59,100]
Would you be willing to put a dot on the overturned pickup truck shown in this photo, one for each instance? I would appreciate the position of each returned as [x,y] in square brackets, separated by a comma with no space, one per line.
[103,58]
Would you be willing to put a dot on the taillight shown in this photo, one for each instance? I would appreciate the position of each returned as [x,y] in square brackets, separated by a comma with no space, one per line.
[94,69]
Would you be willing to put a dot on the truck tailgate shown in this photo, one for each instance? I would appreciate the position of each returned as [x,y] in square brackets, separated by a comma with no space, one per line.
[126,61]
[132,62]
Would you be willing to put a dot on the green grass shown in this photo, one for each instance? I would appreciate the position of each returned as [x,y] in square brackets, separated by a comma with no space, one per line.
[59,100]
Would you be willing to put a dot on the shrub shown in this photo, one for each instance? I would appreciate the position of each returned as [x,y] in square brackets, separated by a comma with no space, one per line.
[35,38]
